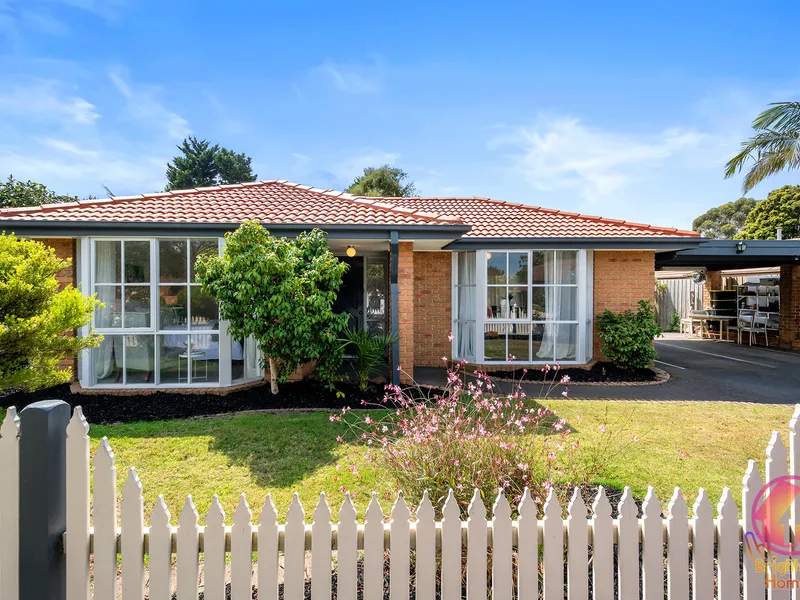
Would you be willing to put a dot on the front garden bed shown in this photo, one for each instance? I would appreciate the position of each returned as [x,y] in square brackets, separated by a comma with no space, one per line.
[601,372]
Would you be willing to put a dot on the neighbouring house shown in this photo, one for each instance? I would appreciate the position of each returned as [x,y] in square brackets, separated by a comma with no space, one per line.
[512,282]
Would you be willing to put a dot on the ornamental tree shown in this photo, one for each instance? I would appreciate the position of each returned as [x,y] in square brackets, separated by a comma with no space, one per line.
[281,291]
[781,208]
[36,318]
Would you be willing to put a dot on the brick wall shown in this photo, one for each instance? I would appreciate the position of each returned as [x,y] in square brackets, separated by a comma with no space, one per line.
[65,248]
[405,309]
[621,279]
[789,333]
[432,307]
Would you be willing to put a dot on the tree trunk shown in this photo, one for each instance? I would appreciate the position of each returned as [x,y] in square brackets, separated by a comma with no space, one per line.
[273,375]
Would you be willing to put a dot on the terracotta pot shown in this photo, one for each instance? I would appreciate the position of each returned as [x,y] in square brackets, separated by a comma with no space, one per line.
[303,371]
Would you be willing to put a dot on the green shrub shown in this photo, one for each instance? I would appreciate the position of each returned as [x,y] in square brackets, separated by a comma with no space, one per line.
[676,322]
[627,338]
[370,350]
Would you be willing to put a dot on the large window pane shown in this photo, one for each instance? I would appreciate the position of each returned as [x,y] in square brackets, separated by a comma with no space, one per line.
[497,303]
[466,268]
[137,306]
[107,261]
[543,267]
[172,307]
[465,340]
[518,267]
[107,360]
[137,262]
[204,310]
[559,342]
[555,303]
[139,359]
[204,359]
[567,267]
[496,267]
[518,302]
[172,261]
[539,304]
[494,342]
[173,358]
[518,341]
[202,247]
[110,314]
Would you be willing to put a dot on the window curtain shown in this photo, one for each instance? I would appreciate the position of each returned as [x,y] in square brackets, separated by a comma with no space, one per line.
[105,270]
[252,359]
[465,316]
[559,339]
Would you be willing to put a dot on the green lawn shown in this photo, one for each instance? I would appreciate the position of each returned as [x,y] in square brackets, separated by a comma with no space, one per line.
[256,454]
[280,454]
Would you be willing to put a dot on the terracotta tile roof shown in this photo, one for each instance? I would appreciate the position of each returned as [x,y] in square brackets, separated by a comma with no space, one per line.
[276,202]
[498,219]
[283,202]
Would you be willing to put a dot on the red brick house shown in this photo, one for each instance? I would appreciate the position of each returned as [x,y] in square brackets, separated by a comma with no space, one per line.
[512,282]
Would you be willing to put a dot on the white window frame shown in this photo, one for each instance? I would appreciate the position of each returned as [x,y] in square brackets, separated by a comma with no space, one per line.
[584,310]
[86,280]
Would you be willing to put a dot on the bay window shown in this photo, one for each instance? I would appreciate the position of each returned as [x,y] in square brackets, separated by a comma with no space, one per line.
[159,327]
[526,306]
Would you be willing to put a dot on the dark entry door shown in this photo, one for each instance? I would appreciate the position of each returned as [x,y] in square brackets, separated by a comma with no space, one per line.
[351,294]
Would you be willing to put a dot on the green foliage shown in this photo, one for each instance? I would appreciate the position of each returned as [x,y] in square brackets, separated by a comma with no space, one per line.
[35,316]
[281,291]
[627,338]
[725,221]
[203,165]
[775,146]
[15,194]
[370,349]
[675,325]
[780,209]
[383,181]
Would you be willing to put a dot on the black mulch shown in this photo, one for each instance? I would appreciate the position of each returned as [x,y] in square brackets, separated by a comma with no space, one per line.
[103,409]
[601,372]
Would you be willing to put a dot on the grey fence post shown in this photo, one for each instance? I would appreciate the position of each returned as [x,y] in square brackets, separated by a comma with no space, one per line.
[43,500]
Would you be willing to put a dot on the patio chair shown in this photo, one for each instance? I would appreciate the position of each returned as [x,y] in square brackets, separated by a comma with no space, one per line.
[756,325]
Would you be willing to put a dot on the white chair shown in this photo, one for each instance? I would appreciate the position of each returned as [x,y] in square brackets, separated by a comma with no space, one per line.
[757,324]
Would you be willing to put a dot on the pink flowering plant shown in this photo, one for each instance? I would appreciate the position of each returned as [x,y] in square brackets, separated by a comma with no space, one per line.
[470,435]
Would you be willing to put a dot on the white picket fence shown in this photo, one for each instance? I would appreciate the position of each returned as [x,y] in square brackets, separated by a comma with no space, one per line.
[440,549]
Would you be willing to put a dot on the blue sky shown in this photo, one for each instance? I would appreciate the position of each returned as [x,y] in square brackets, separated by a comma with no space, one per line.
[624,109]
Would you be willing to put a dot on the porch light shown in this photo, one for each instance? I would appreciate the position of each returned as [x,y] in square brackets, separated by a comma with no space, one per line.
[741,247]
[351,251]
[488,255]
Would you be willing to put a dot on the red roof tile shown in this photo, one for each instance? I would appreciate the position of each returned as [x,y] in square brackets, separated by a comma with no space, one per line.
[282,202]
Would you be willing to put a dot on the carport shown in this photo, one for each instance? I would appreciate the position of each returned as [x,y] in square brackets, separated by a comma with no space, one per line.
[717,255]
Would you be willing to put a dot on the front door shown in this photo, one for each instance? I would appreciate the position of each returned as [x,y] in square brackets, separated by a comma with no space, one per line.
[351,294]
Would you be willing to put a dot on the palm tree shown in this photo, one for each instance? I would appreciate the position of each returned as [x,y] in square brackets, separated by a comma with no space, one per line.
[775,146]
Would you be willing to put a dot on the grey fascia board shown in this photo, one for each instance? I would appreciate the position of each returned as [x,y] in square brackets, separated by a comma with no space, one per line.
[336,230]
[601,243]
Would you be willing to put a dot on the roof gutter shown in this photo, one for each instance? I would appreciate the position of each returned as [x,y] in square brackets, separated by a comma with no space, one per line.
[333,230]
[588,243]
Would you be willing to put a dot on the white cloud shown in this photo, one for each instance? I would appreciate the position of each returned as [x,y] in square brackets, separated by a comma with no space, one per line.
[143,105]
[347,169]
[352,79]
[46,99]
[558,153]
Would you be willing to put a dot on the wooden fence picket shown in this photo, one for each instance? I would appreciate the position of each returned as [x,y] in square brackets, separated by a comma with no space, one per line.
[105,522]
[425,555]
[160,554]
[77,541]
[294,551]
[553,552]
[702,548]
[400,545]
[321,551]
[187,568]
[728,547]
[373,550]
[477,540]
[527,548]
[502,567]
[9,505]
[628,547]
[268,551]
[214,552]
[451,549]
[678,547]
[754,579]
[577,548]
[346,577]
[242,552]
[775,467]
[132,509]
[602,548]
[652,548]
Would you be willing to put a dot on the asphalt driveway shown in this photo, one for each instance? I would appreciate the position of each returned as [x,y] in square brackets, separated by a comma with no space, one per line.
[710,370]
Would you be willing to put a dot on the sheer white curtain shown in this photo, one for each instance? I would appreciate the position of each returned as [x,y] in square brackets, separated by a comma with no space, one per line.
[106,261]
[465,311]
[559,339]
[252,359]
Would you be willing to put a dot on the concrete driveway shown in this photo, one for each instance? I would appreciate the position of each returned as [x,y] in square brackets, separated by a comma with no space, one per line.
[709,370]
